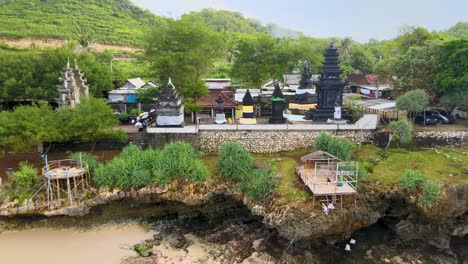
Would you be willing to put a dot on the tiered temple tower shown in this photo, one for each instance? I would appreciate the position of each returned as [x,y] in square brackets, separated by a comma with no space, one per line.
[306,90]
[170,110]
[248,116]
[329,88]
[72,86]
[277,106]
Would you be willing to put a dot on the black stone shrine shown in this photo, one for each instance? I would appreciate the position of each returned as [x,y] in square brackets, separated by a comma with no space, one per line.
[329,88]
[277,106]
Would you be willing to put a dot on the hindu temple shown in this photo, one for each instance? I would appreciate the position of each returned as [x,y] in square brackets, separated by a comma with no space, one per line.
[170,110]
[329,89]
[72,86]
[277,106]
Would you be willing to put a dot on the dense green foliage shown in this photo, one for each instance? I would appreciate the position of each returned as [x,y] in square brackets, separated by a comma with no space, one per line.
[236,22]
[87,159]
[429,194]
[412,180]
[430,190]
[23,184]
[413,101]
[234,161]
[258,184]
[135,168]
[22,78]
[335,146]
[460,30]
[104,21]
[401,130]
[452,76]
[184,51]
[28,126]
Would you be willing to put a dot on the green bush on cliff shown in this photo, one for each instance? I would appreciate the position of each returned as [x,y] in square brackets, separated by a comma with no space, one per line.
[23,183]
[135,168]
[258,184]
[234,161]
[335,146]
[412,180]
[88,159]
[429,194]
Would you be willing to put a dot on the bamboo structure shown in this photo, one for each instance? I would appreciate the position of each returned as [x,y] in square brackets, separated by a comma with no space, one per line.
[328,178]
[66,180]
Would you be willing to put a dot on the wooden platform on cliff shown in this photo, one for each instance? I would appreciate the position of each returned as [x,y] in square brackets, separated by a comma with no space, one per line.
[328,177]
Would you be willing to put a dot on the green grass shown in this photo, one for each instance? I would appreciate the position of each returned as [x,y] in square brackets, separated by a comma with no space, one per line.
[103,21]
[436,166]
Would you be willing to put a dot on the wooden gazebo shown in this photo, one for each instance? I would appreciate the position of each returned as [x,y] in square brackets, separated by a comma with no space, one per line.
[328,177]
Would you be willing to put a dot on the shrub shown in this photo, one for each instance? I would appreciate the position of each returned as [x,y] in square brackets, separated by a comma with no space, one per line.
[335,146]
[401,130]
[88,159]
[234,161]
[124,118]
[412,180]
[135,112]
[429,194]
[23,183]
[135,168]
[258,184]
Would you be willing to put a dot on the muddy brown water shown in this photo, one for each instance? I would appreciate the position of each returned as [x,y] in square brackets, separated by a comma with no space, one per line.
[107,244]
[11,160]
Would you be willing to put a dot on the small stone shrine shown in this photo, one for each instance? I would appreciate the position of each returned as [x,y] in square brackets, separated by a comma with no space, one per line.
[248,116]
[72,86]
[306,90]
[220,116]
[170,110]
[277,106]
[329,90]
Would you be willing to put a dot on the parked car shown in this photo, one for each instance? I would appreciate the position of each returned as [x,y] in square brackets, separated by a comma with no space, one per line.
[441,115]
[430,120]
[460,113]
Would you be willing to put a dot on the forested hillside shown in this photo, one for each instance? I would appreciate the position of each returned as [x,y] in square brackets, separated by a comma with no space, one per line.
[103,21]
[458,31]
[231,21]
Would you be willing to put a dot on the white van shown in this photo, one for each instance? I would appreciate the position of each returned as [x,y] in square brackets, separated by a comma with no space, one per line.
[460,113]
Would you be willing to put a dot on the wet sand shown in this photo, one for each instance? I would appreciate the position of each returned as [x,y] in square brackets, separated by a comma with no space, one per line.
[107,244]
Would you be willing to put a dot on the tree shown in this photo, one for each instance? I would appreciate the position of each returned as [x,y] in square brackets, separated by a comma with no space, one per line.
[362,59]
[452,75]
[344,48]
[452,100]
[94,119]
[413,101]
[260,58]
[184,50]
[418,67]
[414,36]
[147,96]
[30,126]
[401,130]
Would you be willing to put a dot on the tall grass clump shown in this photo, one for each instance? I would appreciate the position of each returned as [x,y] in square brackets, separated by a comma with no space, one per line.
[429,194]
[412,180]
[136,168]
[23,183]
[335,146]
[88,159]
[258,184]
[234,161]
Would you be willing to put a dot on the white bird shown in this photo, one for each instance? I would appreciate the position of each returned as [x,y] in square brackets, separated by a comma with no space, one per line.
[352,241]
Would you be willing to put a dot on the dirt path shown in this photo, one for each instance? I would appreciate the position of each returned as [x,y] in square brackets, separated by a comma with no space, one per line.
[55,43]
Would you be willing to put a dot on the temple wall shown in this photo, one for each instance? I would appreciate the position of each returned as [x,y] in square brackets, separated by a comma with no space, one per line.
[273,141]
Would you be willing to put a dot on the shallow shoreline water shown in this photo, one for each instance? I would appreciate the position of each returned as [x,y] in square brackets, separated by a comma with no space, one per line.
[103,244]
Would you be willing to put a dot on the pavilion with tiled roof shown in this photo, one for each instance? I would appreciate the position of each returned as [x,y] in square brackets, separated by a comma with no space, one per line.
[209,102]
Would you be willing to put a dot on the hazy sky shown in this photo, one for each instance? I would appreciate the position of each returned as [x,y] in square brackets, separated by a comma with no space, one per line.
[360,19]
